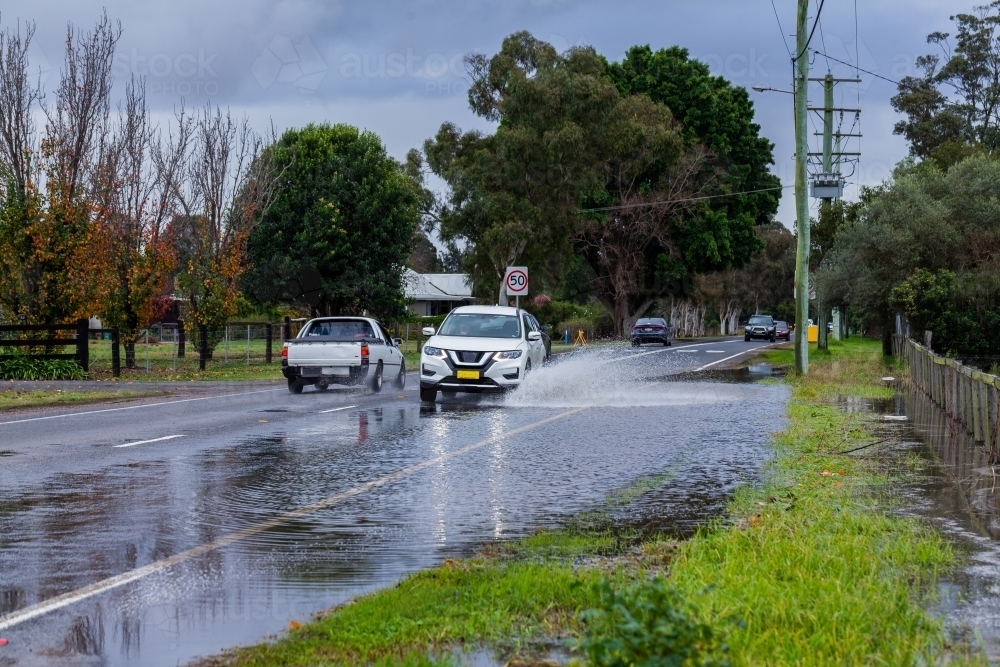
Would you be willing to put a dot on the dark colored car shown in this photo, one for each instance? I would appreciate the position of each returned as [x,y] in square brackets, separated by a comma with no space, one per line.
[781,330]
[651,330]
[760,326]
[544,330]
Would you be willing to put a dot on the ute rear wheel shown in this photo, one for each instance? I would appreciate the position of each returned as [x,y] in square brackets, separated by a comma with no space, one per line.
[400,382]
[428,395]
[294,387]
[376,382]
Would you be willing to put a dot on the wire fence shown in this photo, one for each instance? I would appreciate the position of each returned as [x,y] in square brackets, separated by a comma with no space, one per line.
[179,349]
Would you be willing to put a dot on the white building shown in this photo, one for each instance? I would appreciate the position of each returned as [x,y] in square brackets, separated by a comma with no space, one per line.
[436,293]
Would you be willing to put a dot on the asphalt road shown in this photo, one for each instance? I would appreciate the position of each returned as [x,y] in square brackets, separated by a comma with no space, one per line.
[153,532]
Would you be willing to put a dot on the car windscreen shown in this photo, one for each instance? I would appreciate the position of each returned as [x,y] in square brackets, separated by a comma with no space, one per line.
[341,330]
[481,325]
[761,319]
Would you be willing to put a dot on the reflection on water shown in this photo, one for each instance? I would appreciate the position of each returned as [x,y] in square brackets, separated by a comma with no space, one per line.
[959,493]
[76,529]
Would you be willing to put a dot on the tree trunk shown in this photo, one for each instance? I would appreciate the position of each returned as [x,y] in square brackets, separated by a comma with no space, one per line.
[822,316]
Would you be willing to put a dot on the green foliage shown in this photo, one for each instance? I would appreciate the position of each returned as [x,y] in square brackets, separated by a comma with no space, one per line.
[923,219]
[935,302]
[951,111]
[711,110]
[646,625]
[25,368]
[339,230]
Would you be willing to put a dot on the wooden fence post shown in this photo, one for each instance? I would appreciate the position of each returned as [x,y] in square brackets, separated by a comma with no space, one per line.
[288,327]
[202,346]
[116,353]
[180,339]
[269,335]
[83,343]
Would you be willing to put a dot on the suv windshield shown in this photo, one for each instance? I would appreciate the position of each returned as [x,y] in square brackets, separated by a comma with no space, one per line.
[481,325]
[761,319]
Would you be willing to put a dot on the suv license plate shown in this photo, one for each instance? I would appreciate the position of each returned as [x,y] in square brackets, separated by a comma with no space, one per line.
[467,375]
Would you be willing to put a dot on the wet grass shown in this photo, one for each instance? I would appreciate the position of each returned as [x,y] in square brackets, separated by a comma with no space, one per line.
[810,566]
[813,561]
[16,400]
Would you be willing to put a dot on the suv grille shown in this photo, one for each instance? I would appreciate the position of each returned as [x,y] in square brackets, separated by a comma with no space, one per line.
[469,357]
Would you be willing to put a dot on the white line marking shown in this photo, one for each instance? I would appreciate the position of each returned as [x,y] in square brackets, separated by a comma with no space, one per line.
[681,348]
[346,407]
[752,349]
[66,599]
[714,351]
[146,442]
[136,407]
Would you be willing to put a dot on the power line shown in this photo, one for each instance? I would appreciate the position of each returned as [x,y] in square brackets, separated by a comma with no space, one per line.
[811,32]
[780,29]
[856,68]
[680,201]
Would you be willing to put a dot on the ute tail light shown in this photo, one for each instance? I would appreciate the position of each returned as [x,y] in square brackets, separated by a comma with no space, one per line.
[364,353]
[284,354]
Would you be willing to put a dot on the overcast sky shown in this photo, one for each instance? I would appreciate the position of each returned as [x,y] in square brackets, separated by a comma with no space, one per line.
[396,67]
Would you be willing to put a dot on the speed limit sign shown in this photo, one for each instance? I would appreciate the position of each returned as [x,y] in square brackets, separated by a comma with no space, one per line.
[516,280]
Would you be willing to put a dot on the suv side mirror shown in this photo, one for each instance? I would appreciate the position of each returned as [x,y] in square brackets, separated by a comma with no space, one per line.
[428,331]
[534,335]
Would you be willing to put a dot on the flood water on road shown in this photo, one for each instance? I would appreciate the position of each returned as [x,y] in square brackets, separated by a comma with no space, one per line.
[335,505]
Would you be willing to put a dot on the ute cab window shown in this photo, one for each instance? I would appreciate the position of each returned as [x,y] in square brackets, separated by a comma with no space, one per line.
[478,325]
[341,330]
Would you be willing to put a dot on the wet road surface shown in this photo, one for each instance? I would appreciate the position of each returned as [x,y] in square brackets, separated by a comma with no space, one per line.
[152,533]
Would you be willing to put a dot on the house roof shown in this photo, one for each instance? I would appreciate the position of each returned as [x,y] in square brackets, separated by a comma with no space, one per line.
[437,286]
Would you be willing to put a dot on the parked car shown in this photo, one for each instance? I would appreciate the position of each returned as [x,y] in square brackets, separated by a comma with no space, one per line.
[651,330]
[781,330]
[342,350]
[760,326]
[478,349]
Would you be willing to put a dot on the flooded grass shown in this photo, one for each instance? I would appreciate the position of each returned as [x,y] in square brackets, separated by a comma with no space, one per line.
[811,565]
[814,563]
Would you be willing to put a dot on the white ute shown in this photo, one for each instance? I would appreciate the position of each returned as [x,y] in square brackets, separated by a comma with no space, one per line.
[480,348]
[342,350]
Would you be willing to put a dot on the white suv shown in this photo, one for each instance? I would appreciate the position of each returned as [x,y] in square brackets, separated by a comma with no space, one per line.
[480,348]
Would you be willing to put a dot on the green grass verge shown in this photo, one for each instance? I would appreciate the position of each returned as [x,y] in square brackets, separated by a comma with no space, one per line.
[809,568]
[15,400]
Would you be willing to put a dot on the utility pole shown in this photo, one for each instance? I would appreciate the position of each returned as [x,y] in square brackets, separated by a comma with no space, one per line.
[801,65]
[828,184]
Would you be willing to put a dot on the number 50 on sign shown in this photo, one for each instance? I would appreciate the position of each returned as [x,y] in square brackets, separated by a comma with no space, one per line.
[516,280]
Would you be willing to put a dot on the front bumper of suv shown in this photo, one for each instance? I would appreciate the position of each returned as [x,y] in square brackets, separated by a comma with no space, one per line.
[493,375]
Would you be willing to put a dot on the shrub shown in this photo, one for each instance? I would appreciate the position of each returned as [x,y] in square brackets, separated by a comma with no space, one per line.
[26,368]
[646,625]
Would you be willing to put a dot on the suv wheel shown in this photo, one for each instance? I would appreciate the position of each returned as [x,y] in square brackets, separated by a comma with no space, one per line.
[746,338]
[428,395]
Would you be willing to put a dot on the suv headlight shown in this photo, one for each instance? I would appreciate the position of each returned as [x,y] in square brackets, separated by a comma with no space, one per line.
[510,354]
[434,352]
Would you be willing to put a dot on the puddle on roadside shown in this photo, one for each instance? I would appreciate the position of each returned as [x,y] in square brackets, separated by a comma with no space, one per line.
[957,490]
